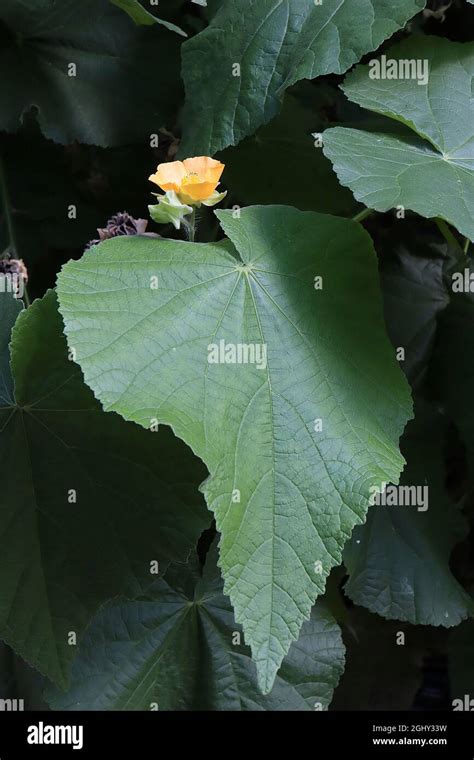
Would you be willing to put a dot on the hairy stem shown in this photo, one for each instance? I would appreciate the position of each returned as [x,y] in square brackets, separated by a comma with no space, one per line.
[190,226]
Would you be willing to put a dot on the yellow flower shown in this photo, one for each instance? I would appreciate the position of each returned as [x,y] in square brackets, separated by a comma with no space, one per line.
[194,180]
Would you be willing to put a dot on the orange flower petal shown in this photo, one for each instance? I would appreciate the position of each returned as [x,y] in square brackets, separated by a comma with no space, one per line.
[169,176]
[196,191]
[164,185]
[206,168]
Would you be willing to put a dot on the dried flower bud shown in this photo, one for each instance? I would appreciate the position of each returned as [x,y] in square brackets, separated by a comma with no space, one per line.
[120,224]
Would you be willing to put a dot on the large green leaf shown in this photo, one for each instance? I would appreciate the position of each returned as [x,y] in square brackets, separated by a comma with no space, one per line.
[286,494]
[180,649]
[115,95]
[88,503]
[276,43]
[398,562]
[427,168]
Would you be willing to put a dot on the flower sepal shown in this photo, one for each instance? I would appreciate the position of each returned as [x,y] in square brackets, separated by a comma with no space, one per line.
[169,209]
[214,198]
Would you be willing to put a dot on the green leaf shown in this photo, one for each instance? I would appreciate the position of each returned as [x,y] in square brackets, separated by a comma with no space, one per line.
[113,97]
[286,495]
[398,562]
[62,558]
[143,17]
[428,166]
[276,43]
[282,164]
[184,633]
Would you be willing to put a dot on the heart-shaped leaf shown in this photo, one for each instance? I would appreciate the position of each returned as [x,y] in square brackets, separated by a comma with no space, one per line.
[266,361]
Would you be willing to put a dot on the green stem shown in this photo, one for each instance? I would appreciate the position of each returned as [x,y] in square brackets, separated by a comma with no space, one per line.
[363,214]
[447,234]
[5,200]
[467,243]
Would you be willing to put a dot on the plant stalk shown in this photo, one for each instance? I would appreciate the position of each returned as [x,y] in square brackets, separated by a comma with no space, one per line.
[363,214]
